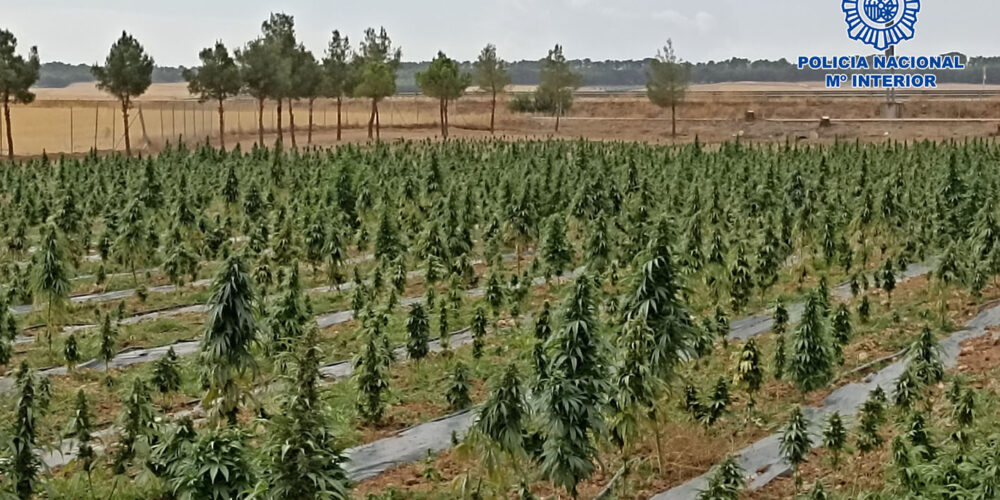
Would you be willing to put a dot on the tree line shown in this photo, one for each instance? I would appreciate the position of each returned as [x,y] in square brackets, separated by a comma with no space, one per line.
[276,67]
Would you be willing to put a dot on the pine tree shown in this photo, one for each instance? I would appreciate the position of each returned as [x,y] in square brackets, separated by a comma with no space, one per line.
[573,391]
[835,437]
[80,428]
[841,332]
[166,376]
[458,387]
[726,481]
[71,352]
[478,332]
[231,332]
[51,278]
[24,464]
[303,456]
[796,443]
[109,340]
[749,373]
[811,359]
[418,333]
[126,74]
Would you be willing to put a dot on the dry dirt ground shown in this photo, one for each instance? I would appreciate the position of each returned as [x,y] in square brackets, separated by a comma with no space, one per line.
[78,118]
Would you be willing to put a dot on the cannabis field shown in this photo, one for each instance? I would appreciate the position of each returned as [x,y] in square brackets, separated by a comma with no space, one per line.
[490,319]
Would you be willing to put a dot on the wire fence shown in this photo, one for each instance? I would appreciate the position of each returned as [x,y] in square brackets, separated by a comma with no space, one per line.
[57,126]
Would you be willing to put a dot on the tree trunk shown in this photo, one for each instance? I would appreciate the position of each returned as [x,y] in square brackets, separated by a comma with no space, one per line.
[673,119]
[446,122]
[493,112]
[311,102]
[260,122]
[6,119]
[558,115]
[222,126]
[291,121]
[128,140]
[340,103]
[378,124]
[371,120]
[281,133]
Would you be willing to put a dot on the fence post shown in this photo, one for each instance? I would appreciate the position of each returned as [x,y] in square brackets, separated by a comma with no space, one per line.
[97,117]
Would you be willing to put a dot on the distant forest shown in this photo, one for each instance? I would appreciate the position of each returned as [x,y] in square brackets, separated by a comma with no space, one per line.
[595,73]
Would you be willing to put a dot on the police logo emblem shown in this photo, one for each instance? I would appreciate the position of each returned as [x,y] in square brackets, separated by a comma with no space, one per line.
[881,23]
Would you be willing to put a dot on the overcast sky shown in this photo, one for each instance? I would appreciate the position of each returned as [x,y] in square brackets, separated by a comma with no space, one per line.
[173,31]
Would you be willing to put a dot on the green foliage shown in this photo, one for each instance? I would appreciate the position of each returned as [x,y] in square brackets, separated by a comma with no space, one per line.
[137,421]
[51,277]
[558,81]
[109,339]
[303,458]
[726,481]
[573,391]
[504,416]
[217,465]
[555,251]
[925,358]
[218,77]
[17,78]
[166,376]
[71,352]
[478,332]
[633,384]
[445,82]
[371,372]
[80,428]
[718,403]
[458,387]
[126,74]
[795,440]
[667,79]
[870,421]
[231,332]
[25,464]
[835,437]
[418,333]
[491,76]
[811,360]
[749,372]
[841,331]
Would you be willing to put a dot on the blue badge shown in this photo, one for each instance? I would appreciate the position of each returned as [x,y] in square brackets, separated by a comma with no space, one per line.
[881,23]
